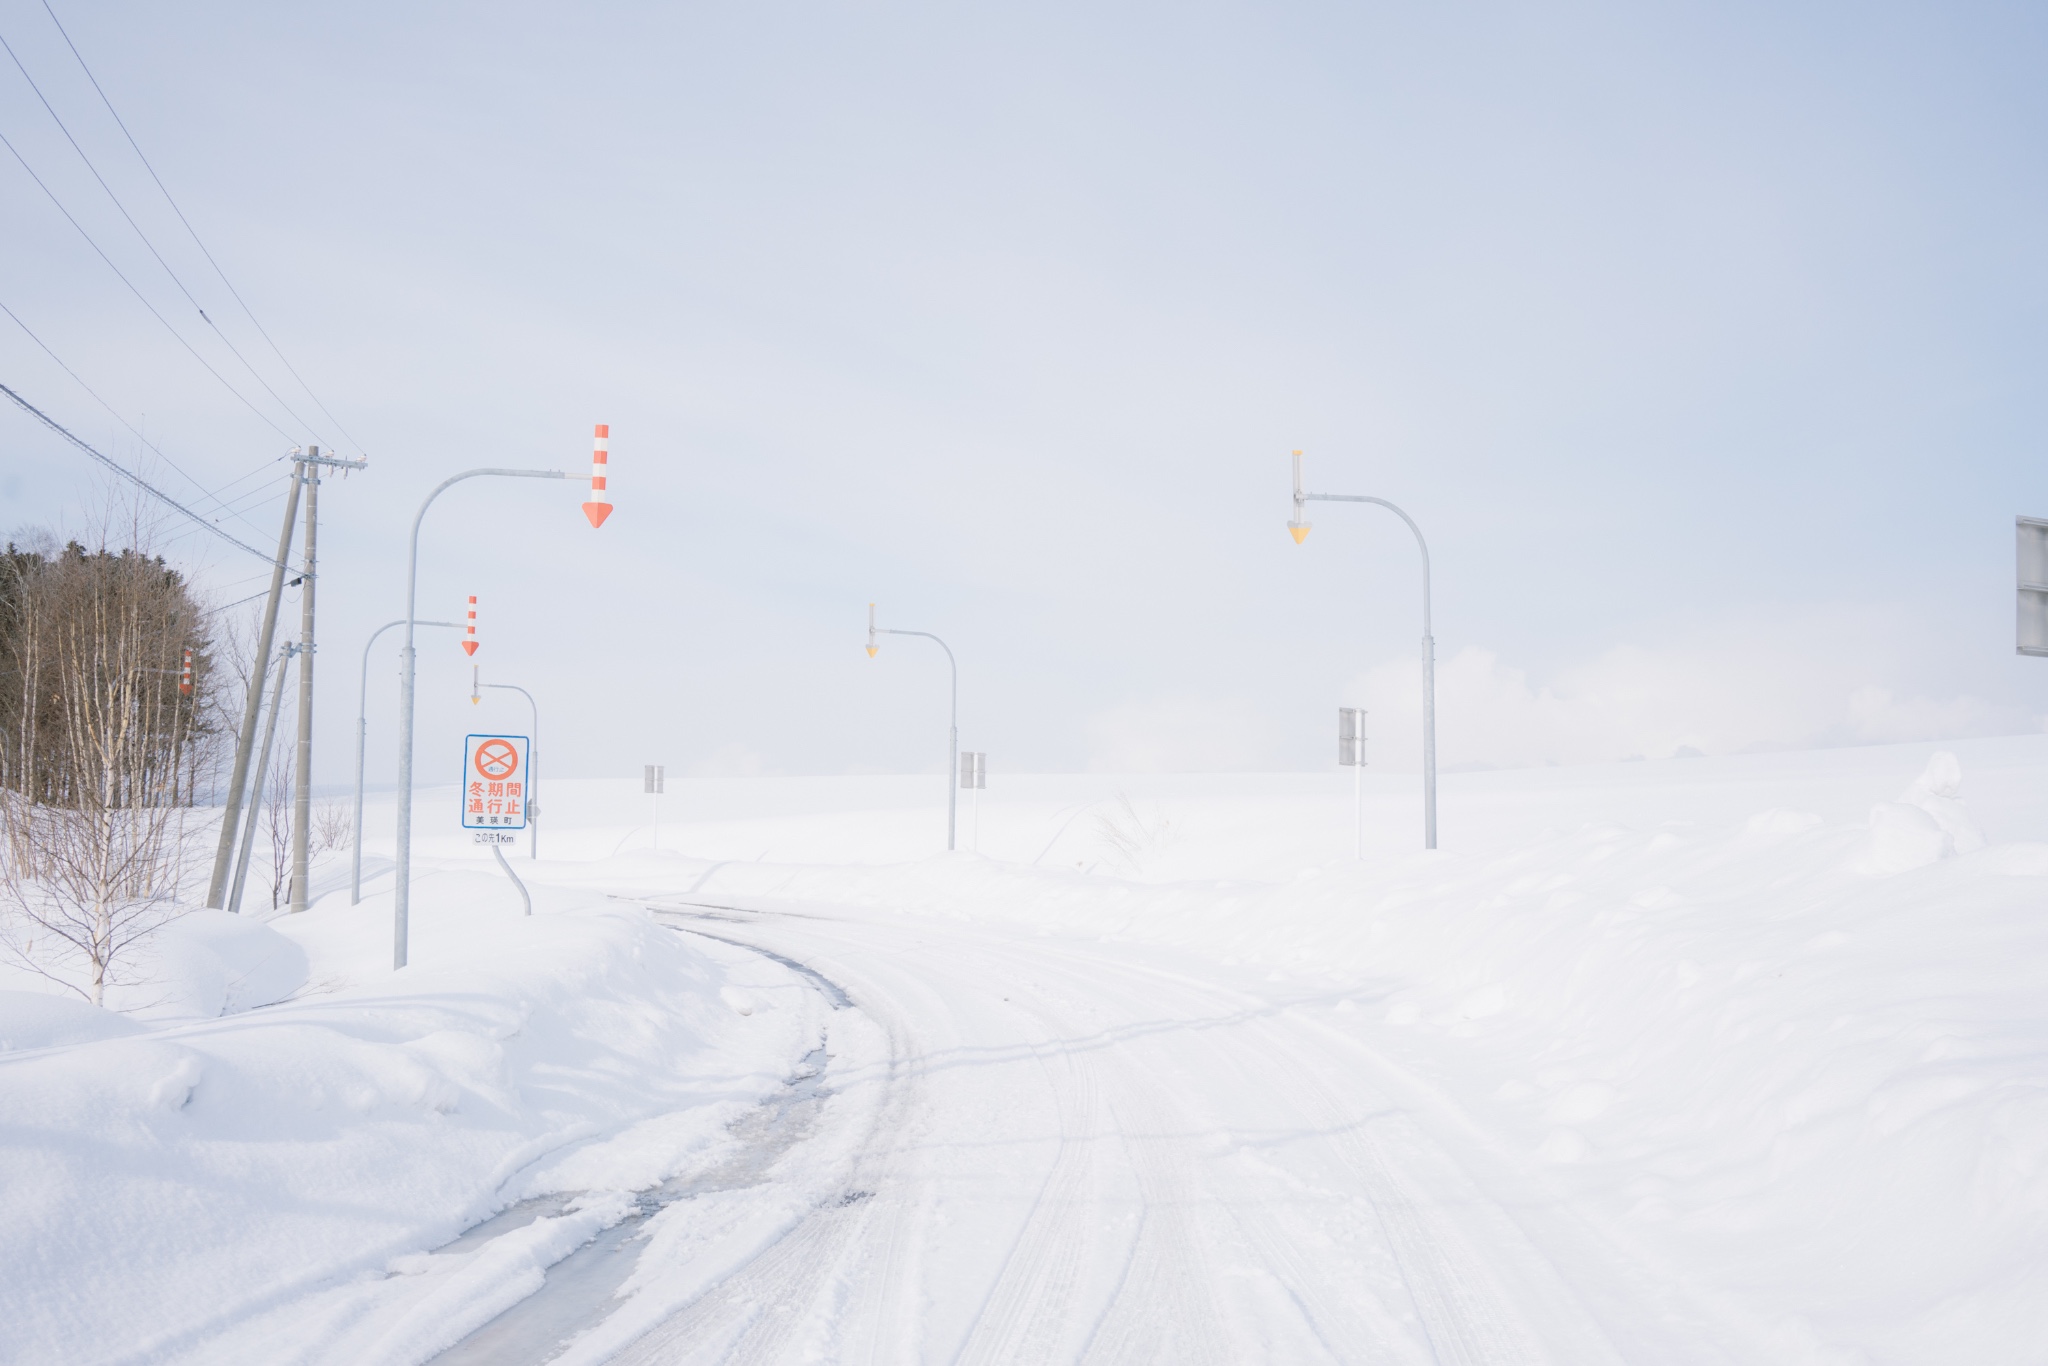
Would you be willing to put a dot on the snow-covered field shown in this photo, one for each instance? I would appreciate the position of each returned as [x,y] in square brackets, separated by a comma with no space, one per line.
[1714,1060]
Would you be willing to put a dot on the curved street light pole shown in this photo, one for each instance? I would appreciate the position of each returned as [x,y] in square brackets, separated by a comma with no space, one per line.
[953,725]
[401,898]
[355,876]
[532,768]
[1300,528]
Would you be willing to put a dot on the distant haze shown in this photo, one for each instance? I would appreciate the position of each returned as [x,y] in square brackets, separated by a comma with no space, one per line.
[1705,345]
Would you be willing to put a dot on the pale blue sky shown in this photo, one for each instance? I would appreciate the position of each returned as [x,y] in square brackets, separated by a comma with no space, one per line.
[1705,342]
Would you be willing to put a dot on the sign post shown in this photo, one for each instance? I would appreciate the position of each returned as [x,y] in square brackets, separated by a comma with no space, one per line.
[974,777]
[1351,755]
[2032,584]
[652,784]
[494,793]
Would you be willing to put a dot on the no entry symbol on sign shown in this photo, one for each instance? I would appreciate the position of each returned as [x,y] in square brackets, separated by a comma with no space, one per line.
[496,758]
[494,782]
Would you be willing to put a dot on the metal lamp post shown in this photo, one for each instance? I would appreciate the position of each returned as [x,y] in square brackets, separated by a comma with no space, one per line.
[355,876]
[401,901]
[953,725]
[532,767]
[1299,529]
[363,697]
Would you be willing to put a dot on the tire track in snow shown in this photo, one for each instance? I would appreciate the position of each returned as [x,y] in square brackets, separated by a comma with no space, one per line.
[1465,1314]
[1459,1256]
[1030,1305]
[753,1312]
[1163,1310]
[1463,1297]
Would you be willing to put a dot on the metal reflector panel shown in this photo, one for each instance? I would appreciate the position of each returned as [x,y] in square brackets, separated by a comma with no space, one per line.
[1351,737]
[652,778]
[973,769]
[2033,585]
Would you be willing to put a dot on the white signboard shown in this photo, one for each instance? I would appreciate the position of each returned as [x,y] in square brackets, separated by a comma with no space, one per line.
[494,782]
[2033,586]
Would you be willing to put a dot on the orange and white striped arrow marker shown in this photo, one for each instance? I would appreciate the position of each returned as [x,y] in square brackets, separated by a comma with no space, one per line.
[469,630]
[185,675]
[600,505]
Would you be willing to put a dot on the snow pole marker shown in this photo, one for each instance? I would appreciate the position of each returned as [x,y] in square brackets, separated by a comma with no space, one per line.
[600,505]
[469,641]
[185,675]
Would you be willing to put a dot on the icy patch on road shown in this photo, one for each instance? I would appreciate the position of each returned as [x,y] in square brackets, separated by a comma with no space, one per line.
[578,1291]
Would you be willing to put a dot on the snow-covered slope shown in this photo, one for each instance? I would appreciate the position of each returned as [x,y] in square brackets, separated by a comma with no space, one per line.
[159,1186]
[1793,1061]
[1750,1053]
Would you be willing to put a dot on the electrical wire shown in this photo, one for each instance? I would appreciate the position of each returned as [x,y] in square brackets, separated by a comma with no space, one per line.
[151,246]
[236,603]
[235,293]
[218,492]
[153,447]
[138,293]
[130,475]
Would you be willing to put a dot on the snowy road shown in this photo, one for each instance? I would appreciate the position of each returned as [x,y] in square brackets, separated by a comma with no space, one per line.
[1071,1151]
[1717,1062]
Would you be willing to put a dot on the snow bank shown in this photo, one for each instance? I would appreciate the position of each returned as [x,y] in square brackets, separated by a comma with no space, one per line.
[162,1183]
[198,965]
[1794,1063]
[208,963]
[33,1019]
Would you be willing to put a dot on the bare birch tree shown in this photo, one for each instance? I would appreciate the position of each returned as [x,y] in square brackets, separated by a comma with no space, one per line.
[99,755]
[277,823]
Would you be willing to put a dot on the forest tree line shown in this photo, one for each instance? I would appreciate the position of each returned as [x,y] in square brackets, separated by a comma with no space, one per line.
[92,646]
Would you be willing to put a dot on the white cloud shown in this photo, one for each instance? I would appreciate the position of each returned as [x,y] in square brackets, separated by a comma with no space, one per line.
[1631,701]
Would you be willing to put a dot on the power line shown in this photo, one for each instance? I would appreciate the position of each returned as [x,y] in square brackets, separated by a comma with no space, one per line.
[129,475]
[138,293]
[236,603]
[216,493]
[151,246]
[154,448]
[261,497]
[237,294]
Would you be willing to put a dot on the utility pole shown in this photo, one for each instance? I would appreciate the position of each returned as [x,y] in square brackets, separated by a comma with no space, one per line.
[302,784]
[284,661]
[238,776]
[302,761]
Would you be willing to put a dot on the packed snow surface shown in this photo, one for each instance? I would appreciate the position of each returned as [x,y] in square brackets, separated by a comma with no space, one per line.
[1711,1060]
